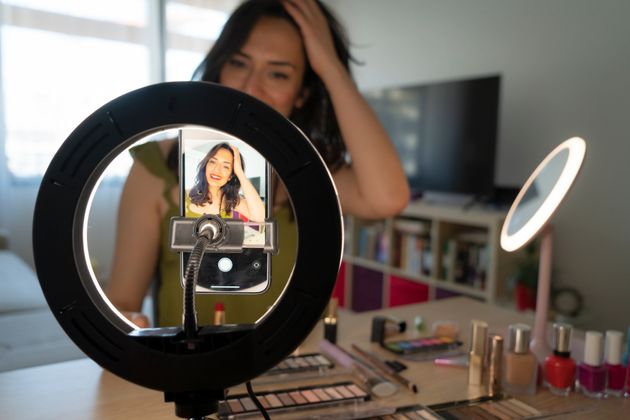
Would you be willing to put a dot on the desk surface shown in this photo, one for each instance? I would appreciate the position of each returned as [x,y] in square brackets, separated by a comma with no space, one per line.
[81,389]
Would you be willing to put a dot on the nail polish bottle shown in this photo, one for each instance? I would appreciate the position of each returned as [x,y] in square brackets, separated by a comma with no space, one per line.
[615,371]
[559,366]
[520,366]
[626,353]
[591,372]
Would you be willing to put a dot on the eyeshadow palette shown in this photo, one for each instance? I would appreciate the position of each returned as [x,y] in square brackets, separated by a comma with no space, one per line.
[412,412]
[238,406]
[422,345]
[509,408]
[302,363]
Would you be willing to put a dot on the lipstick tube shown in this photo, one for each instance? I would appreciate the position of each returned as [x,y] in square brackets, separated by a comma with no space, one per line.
[477,350]
[495,360]
[330,321]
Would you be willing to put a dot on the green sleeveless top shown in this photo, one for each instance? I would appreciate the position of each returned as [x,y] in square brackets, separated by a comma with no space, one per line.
[239,309]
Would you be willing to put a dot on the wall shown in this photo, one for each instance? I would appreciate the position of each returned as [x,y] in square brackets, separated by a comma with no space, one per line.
[566,71]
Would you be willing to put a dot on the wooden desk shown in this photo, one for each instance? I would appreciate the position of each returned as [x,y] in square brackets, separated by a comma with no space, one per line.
[81,389]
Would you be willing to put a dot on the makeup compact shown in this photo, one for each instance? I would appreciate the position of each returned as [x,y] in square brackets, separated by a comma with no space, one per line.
[487,408]
[302,363]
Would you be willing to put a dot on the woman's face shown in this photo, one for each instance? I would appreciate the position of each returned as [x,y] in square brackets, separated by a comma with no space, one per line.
[270,66]
[219,168]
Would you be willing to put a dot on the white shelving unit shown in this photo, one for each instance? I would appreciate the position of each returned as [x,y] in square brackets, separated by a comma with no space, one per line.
[445,223]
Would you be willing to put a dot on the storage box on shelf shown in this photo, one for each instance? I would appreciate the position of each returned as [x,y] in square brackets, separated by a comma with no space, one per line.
[427,252]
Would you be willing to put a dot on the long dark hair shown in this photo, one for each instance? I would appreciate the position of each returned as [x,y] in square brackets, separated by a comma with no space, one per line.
[316,117]
[199,191]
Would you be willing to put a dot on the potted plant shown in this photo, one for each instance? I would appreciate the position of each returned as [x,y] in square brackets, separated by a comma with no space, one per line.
[525,280]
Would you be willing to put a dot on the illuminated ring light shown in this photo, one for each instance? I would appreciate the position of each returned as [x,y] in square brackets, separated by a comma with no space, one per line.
[577,149]
[73,293]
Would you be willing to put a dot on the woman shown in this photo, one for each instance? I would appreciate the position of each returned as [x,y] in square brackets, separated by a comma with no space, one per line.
[292,55]
[220,177]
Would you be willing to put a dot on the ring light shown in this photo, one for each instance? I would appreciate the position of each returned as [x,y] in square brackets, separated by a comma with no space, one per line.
[234,354]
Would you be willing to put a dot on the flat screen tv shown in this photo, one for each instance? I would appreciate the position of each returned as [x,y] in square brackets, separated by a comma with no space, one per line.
[445,133]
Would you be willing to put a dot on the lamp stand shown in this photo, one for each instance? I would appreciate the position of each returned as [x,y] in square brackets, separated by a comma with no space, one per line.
[539,345]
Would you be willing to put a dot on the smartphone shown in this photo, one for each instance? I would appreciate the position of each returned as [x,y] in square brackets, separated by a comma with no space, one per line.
[422,345]
[210,183]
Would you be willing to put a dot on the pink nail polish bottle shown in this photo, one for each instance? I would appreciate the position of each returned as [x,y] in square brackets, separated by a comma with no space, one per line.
[615,371]
[591,372]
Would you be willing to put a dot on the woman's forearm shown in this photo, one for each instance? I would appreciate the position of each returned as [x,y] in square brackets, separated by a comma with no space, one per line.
[255,205]
[380,181]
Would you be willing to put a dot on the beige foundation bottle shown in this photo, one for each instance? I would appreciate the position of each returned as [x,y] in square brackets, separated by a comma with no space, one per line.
[520,367]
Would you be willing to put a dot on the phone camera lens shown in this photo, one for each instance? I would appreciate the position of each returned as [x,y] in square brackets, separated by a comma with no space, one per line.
[256,265]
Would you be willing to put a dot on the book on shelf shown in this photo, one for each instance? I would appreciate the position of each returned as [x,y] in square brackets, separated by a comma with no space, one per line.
[373,243]
[466,258]
[412,248]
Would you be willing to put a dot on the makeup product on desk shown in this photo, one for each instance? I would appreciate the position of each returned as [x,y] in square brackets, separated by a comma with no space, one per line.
[615,371]
[414,412]
[382,326]
[445,329]
[384,368]
[487,408]
[422,345]
[377,384]
[520,364]
[495,362]
[591,373]
[293,399]
[626,353]
[219,313]
[302,363]
[330,321]
[476,351]
[457,361]
[559,367]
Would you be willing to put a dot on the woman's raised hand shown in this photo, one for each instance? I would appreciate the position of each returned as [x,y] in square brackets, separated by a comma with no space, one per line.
[238,166]
[318,40]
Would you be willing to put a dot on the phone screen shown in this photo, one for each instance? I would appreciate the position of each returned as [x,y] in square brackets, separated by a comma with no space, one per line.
[224,176]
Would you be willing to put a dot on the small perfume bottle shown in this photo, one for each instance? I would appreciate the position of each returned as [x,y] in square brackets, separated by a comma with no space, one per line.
[591,373]
[559,366]
[615,371]
[520,366]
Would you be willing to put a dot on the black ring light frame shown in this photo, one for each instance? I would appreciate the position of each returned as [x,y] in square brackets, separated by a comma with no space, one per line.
[232,356]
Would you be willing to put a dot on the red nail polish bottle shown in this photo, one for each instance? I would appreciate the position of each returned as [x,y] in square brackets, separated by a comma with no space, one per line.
[559,366]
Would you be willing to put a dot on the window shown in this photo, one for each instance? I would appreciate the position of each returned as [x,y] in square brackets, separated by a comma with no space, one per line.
[62,60]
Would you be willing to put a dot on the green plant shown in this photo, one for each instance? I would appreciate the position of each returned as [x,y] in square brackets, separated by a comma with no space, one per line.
[527,268]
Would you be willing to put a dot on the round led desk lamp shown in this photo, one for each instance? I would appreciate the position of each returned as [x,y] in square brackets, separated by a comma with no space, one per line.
[529,215]
[193,376]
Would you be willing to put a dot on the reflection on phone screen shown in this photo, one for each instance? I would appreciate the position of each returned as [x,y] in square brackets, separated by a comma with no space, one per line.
[223,175]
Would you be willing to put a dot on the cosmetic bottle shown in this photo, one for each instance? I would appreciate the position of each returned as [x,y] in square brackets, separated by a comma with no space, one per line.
[495,361]
[477,350]
[330,322]
[520,366]
[626,353]
[591,372]
[560,367]
[615,371]
[219,313]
